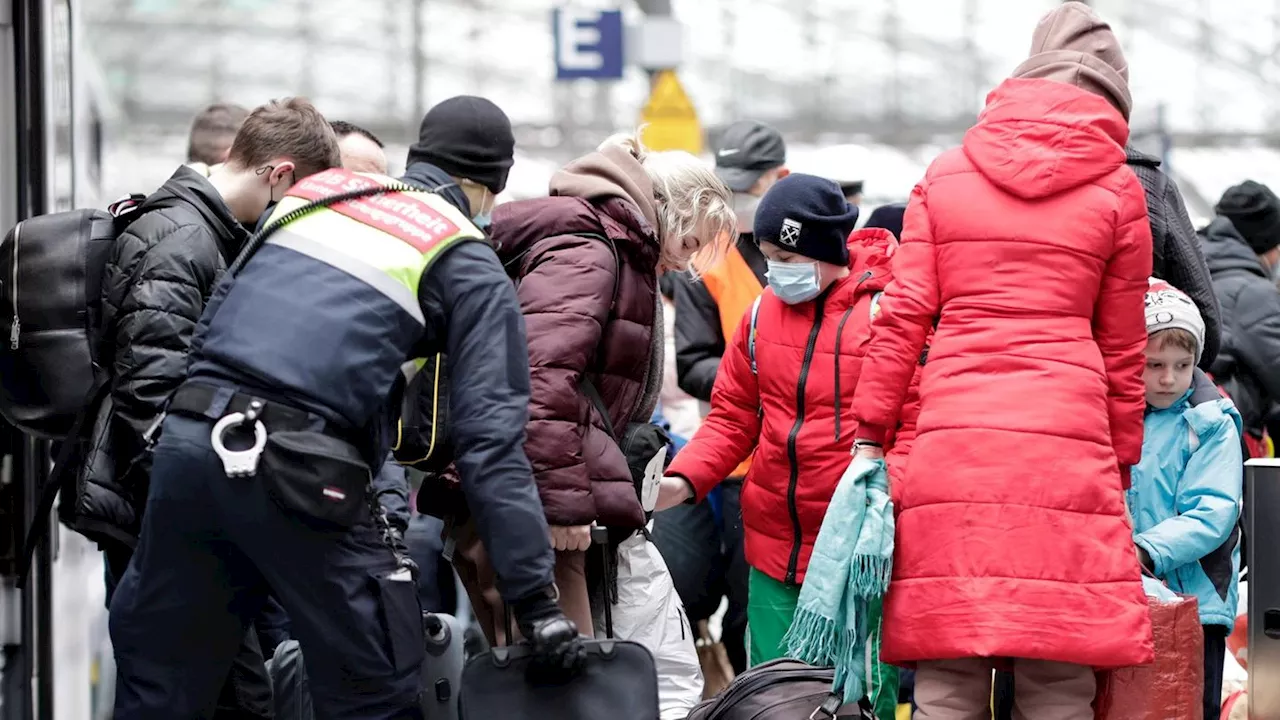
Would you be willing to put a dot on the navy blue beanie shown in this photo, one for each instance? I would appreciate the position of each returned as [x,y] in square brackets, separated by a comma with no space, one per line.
[888,217]
[809,216]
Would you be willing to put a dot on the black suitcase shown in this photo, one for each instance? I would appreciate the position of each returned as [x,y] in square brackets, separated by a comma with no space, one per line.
[619,682]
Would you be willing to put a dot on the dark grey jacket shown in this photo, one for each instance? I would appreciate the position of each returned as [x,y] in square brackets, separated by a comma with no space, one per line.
[1176,253]
[1248,365]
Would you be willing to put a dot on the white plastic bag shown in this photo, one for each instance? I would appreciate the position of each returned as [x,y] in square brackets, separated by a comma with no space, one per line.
[650,612]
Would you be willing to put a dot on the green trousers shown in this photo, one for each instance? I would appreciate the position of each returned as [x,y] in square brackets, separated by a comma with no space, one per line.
[770,607]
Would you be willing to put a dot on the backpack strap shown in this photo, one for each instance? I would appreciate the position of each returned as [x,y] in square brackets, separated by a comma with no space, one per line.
[61,478]
[751,334]
[589,388]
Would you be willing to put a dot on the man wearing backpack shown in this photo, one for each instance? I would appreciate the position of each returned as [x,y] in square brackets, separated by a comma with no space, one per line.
[158,279]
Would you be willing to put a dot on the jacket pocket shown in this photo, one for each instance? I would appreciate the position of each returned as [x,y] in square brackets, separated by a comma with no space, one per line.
[318,477]
[400,613]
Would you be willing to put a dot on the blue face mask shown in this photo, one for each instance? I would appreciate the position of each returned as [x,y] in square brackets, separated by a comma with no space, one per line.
[794,283]
[483,222]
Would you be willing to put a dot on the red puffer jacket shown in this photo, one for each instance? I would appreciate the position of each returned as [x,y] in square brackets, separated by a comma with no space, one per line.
[796,414]
[1030,249]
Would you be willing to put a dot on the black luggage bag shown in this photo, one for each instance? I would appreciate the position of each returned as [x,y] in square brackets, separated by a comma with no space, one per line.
[619,682]
[781,690]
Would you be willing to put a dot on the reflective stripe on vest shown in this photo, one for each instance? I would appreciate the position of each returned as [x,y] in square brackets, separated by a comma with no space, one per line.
[386,241]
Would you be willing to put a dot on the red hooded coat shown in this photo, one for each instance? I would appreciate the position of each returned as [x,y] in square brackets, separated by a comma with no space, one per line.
[1029,248]
[795,413]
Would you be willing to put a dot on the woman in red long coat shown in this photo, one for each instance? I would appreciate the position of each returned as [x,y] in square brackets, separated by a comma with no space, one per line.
[1029,249]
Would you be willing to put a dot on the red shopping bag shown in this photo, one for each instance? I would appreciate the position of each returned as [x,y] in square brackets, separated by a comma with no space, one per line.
[1171,688]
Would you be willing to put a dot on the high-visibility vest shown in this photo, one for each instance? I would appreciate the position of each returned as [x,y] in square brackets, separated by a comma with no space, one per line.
[734,286]
[328,310]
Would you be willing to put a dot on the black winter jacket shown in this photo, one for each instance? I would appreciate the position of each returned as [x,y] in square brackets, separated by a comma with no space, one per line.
[471,310]
[700,341]
[159,277]
[1176,253]
[1248,365]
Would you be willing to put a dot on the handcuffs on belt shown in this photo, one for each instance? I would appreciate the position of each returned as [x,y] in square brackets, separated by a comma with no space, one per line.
[240,463]
[244,463]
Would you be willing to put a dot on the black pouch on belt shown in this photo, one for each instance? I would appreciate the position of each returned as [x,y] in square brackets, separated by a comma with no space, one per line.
[318,476]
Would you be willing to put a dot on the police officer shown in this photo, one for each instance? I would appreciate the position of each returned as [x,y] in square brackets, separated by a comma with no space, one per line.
[260,473]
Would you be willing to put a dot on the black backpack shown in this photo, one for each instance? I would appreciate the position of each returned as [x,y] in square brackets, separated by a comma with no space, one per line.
[51,270]
[422,430]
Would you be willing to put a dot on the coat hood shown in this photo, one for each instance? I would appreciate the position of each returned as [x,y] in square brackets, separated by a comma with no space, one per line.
[1037,138]
[611,172]
[1226,250]
[187,186]
[871,259]
[518,225]
[1073,45]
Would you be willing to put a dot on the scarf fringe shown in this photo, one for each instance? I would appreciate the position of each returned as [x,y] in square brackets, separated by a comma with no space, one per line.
[813,639]
[871,575]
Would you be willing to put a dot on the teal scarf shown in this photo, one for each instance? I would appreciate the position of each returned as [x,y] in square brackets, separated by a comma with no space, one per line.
[851,565]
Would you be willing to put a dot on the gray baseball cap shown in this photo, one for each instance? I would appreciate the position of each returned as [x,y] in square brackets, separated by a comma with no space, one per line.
[745,151]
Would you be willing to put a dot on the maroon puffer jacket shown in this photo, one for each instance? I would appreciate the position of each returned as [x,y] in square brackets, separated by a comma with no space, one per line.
[566,285]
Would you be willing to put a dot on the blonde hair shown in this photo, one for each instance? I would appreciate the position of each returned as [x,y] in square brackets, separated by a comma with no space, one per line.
[688,197]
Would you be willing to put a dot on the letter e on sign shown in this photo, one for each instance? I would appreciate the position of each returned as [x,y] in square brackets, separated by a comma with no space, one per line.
[588,43]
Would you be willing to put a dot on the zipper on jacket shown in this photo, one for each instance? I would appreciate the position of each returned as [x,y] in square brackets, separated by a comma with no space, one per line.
[839,333]
[16,329]
[792,455]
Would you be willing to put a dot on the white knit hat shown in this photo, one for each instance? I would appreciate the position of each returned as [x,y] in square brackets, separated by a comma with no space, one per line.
[1168,307]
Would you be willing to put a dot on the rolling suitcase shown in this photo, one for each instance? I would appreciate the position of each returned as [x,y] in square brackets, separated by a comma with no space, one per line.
[442,667]
[441,673]
[619,682]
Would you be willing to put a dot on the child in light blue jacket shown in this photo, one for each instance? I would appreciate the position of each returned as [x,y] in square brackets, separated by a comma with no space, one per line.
[1186,492]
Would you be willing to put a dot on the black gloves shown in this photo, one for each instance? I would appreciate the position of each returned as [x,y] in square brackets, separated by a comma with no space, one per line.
[558,652]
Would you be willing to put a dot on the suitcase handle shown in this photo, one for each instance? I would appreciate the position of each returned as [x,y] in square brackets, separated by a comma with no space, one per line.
[599,536]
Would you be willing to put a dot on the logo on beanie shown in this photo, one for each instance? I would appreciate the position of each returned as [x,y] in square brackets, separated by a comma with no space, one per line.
[790,235]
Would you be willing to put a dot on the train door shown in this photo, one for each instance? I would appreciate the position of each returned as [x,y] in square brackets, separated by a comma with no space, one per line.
[50,160]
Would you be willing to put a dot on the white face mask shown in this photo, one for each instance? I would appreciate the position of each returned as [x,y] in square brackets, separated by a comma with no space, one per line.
[794,282]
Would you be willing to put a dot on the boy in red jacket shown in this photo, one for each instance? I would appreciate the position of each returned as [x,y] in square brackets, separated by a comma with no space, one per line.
[785,393]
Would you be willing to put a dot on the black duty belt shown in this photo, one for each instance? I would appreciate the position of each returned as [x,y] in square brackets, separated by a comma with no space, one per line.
[212,403]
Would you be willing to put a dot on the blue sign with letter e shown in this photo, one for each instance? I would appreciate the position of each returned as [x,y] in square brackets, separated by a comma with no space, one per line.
[588,43]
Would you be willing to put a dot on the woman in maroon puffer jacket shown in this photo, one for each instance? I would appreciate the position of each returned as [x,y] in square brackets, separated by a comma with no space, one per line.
[596,315]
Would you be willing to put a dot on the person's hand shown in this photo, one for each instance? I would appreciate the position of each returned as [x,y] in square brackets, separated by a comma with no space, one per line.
[571,538]
[672,491]
[868,452]
[558,652]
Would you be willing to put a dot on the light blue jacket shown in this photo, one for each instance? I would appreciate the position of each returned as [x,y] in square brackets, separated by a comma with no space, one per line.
[1186,499]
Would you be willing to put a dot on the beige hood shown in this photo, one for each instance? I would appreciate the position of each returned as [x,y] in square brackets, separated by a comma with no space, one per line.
[1073,45]
[609,172]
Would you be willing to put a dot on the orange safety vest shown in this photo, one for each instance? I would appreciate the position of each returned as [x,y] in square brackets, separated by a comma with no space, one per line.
[733,285]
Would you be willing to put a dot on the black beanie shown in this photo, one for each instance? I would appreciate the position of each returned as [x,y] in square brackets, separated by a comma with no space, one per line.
[1255,212]
[809,216]
[467,137]
[888,217]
